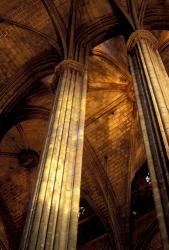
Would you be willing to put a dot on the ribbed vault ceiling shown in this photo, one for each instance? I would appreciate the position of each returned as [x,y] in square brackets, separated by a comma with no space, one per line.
[30,47]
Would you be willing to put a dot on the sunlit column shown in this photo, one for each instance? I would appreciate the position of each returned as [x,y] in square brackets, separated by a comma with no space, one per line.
[53,218]
[152,93]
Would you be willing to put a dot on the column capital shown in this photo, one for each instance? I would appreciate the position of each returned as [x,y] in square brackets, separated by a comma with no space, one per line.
[63,65]
[70,64]
[139,35]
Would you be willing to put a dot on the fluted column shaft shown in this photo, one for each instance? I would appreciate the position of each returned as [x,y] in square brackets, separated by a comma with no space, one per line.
[53,218]
[152,93]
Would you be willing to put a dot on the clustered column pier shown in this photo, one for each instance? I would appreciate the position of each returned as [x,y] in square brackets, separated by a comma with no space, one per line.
[53,216]
[151,86]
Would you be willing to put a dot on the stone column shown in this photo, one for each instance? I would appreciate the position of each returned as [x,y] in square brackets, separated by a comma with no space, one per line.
[151,85]
[53,217]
